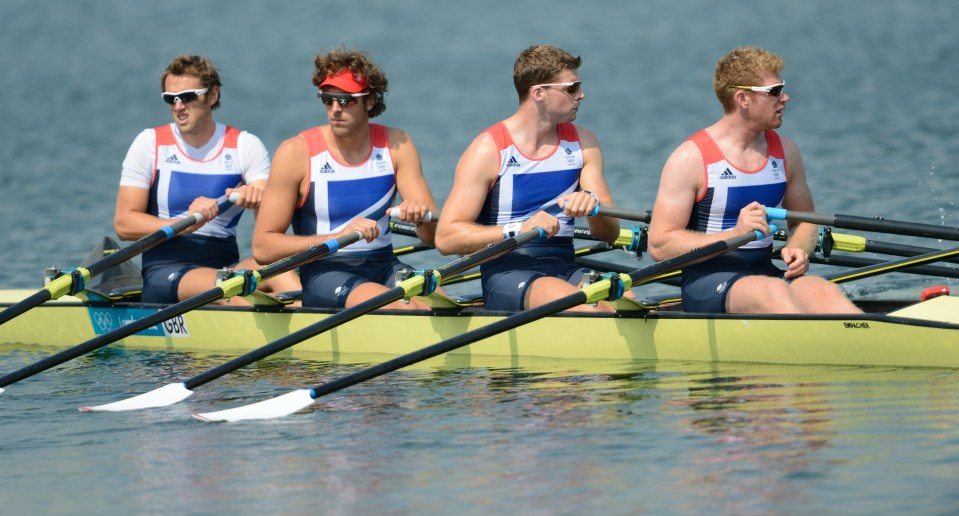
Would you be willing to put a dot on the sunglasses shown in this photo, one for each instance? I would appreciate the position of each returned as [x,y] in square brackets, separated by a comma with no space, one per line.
[185,96]
[774,90]
[569,87]
[343,99]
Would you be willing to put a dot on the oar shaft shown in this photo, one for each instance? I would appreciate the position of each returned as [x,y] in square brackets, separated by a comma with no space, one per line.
[174,310]
[107,338]
[625,214]
[64,284]
[913,264]
[37,298]
[346,315]
[877,224]
[451,344]
[579,297]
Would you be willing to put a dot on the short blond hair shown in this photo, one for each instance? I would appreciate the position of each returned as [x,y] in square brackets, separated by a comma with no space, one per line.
[744,66]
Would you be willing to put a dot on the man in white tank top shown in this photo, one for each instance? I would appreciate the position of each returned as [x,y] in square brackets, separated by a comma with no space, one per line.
[190,166]
[716,185]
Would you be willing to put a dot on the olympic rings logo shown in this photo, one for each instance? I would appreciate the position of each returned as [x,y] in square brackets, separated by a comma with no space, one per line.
[103,320]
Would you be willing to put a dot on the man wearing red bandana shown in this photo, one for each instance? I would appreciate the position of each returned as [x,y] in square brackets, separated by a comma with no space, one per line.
[342,177]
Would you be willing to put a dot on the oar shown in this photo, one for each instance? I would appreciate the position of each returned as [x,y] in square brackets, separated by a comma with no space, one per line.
[892,266]
[174,392]
[858,244]
[860,261]
[73,280]
[243,282]
[607,289]
[631,239]
[877,224]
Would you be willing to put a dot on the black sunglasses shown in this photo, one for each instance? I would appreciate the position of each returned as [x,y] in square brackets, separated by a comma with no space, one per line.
[343,99]
[185,96]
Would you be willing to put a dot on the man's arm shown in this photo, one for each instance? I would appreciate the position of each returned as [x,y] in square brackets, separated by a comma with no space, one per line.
[592,179]
[412,185]
[457,231]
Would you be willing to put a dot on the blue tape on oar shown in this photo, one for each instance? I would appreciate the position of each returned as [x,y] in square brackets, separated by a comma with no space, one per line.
[77,283]
[635,243]
[776,213]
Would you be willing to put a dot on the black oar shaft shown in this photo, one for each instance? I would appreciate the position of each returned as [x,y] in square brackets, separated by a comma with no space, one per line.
[625,214]
[451,344]
[172,311]
[96,268]
[347,315]
[113,336]
[877,224]
[637,277]
[37,298]
[905,264]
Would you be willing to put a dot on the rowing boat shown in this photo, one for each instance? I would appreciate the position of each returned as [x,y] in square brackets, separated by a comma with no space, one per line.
[890,333]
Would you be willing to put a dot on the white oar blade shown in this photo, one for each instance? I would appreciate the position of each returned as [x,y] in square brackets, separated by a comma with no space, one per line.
[161,397]
[1,390]
[267,409]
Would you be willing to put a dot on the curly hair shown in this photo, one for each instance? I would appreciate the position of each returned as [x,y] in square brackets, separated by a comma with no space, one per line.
[744,66]
[359,63]
[540,64]
[195,66]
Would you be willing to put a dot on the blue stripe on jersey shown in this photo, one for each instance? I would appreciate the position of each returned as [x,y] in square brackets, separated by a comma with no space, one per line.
[348,198]
[304,220]
[539,189]
[767,195]
[186,186]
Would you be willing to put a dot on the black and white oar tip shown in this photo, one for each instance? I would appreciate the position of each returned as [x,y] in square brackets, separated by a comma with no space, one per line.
[279,406]
[395,212]
[159,397]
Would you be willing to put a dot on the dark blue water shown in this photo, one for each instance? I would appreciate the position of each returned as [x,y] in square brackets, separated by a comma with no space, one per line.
[873,109]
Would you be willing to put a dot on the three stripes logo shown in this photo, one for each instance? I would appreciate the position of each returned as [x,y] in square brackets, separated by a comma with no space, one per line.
[173,159]
[727,174]
[512,162]
[326,168]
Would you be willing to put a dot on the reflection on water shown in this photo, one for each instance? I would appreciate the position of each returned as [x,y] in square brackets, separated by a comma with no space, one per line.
[498,433]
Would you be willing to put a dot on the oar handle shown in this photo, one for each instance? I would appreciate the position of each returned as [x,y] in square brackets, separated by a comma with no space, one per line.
[395,212]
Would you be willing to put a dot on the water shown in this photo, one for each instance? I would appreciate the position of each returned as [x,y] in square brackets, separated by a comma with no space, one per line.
[872,109]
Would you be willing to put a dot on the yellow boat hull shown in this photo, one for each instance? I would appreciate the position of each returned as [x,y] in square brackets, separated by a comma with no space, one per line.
[926,334]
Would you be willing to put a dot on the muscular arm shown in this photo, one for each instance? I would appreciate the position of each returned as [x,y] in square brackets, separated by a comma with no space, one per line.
[457,231]
[798,197]
[593,180]
[412,186]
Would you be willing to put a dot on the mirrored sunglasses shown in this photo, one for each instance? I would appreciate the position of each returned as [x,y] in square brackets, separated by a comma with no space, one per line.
[185,96]
[343,99]
[773,90]
[569,87]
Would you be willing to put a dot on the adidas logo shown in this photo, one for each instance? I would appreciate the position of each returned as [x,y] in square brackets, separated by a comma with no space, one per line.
[326,168]
[727,174]
[512,162]
[173,159]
